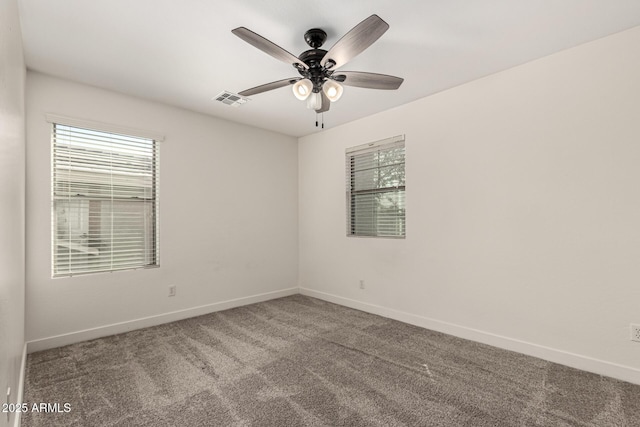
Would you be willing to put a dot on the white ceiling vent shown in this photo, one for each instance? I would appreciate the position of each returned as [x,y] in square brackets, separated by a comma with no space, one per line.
[230,98]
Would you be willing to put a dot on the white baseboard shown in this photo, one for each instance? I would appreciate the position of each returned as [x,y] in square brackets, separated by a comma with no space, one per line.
[20,395]
[601,367]
[118,328]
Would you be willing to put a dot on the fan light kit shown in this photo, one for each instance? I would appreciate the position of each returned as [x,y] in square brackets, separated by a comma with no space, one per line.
[302,89]
[333,90]
[319,83]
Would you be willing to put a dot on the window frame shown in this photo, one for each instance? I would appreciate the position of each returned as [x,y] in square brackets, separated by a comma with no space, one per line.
[387,144]
[152,236]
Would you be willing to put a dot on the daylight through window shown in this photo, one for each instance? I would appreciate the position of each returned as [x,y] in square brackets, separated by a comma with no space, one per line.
[105,201]
[376,189]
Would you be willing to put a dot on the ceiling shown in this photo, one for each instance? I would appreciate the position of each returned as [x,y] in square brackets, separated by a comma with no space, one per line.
[182,52]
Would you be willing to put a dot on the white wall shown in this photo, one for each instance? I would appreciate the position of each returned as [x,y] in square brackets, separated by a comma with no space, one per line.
[523,210]
[228,218]
[12,201]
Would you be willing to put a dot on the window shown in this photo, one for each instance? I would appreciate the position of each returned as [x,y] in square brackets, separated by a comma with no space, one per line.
[104,201]
[375,189]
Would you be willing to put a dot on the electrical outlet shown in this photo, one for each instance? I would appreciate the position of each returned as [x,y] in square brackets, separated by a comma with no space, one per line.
[635,332]
[361,284]
[172,290]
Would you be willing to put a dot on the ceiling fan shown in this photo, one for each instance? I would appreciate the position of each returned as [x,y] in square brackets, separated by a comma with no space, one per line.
[319,82]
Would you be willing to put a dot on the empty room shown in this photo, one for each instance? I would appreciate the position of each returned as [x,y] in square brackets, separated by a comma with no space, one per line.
[305,213]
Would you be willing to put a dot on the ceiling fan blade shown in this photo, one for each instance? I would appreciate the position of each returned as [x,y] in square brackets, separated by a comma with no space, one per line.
[355,41]
[368,80]
[269,86]
[267,46]
[326,103]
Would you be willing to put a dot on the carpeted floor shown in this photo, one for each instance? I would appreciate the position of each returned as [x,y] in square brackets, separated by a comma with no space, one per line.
[300,361]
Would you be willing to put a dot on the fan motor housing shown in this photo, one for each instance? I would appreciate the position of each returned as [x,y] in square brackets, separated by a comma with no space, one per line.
[312,57]
[316,72]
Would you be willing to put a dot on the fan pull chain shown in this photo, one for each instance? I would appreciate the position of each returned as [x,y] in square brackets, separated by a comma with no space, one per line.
[322,118]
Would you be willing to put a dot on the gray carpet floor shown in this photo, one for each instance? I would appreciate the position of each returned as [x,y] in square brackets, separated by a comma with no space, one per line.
[300,361]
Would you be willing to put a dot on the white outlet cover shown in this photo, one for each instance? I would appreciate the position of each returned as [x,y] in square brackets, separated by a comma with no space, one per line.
[635,332]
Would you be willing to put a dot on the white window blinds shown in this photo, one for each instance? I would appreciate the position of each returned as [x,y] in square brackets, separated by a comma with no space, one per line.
[105,201]
[376,189]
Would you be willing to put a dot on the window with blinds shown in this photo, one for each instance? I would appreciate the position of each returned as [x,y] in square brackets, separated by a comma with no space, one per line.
[105,201]
[376,189]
